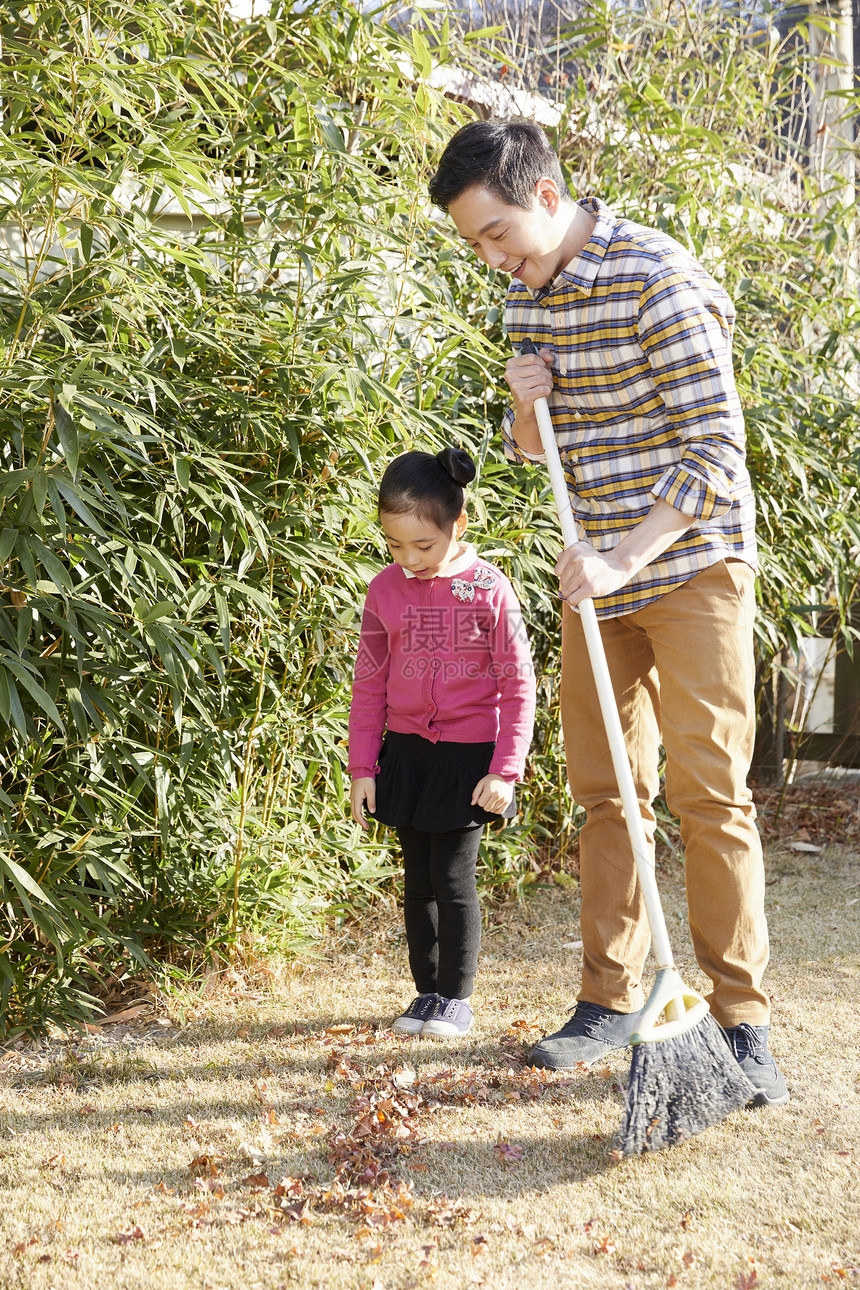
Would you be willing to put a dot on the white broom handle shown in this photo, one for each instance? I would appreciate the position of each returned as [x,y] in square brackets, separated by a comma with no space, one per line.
[608,708]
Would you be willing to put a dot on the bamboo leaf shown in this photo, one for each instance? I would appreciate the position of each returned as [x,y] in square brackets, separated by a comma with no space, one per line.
[36,691]
[24,883]
[67,433]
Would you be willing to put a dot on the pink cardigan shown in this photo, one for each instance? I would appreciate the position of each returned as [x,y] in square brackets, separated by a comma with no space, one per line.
[447,659]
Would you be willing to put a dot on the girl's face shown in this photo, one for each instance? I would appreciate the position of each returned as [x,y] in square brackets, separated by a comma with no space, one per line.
[418,546]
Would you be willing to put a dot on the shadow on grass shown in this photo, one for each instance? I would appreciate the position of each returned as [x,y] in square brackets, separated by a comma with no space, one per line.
[464,1171]
[210,1114]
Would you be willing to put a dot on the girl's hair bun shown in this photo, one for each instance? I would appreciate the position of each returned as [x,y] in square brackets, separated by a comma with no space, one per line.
[458,464]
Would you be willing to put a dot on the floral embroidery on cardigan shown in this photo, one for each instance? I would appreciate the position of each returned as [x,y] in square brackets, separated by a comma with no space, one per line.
[465,591]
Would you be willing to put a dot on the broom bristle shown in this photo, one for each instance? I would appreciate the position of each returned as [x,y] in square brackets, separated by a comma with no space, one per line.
[680,1086]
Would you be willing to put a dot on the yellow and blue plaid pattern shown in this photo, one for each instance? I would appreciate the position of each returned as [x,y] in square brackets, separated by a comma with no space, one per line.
[644,403]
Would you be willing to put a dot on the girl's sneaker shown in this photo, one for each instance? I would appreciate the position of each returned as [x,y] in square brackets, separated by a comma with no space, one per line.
[411,1022]
[449,1019]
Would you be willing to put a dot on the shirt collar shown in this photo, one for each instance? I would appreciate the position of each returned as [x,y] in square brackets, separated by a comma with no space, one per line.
[463,562]
[582,270]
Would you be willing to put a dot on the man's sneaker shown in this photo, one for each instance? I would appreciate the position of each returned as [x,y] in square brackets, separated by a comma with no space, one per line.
[749,1045]
[591,1034]
[411,1022]
[450,1019]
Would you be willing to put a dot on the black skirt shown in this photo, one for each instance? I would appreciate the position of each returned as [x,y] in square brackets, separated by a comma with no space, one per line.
[429,786]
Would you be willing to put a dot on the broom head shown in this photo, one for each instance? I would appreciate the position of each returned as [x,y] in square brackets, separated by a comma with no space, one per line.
[683,1076]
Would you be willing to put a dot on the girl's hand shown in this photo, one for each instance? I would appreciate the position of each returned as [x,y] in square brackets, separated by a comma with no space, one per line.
[493,794]
[362,791]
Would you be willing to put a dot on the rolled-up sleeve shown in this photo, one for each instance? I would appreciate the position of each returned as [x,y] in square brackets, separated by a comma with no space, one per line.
[512,449]
[686,337]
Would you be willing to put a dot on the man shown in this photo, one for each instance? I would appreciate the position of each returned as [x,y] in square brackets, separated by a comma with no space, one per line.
[635,360]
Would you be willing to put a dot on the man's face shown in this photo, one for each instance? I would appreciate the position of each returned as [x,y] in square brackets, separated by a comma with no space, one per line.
[527,244]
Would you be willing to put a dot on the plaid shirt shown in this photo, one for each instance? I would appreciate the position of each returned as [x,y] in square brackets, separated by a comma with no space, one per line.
[644,403]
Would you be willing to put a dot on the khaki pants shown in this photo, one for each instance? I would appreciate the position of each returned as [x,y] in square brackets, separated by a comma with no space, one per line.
[682,669]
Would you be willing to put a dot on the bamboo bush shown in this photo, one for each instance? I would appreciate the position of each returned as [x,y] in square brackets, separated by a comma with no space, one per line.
[222,310]
[224,304]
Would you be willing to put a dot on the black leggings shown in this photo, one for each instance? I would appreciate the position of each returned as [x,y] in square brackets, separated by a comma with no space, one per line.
[441,910]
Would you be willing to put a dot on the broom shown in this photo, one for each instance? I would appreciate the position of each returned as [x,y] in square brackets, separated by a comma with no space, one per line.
[683,1076]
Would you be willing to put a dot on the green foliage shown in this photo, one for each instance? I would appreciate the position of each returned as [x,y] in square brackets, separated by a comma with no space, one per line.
[224,305]
[693,120]
[222,308]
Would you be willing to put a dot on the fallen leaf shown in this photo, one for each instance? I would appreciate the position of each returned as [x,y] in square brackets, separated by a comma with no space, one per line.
[207,1161]
[507,1153]
[261,1092]
[802,846]
[54,1162]
[255,1180]
[127,1014]
[25,1245]
[135,1233]
[250,1151]
[296,1212]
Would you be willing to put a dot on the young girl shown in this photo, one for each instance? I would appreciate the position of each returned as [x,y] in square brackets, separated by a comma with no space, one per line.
[440,722]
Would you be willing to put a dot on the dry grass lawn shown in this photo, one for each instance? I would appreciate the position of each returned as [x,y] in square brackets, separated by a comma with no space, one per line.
[282,1137]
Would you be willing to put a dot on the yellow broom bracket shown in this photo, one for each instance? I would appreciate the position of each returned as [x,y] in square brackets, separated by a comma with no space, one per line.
[681,1008]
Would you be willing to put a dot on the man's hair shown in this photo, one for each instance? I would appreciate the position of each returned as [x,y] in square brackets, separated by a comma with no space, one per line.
[506,157]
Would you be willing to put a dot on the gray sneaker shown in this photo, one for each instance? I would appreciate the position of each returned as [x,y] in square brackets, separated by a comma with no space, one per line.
[450,1019]
[749,1045]
[411,1022]
[592,1033]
